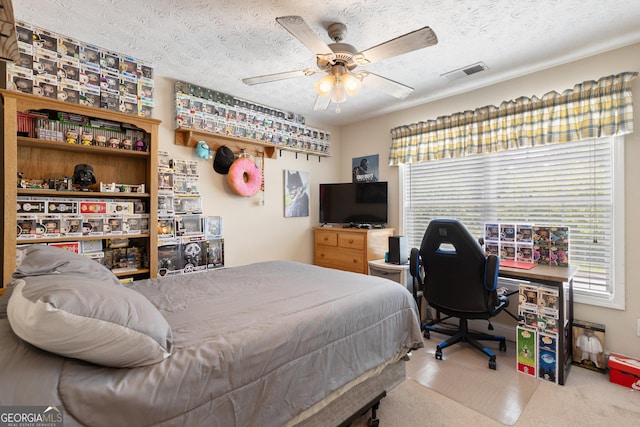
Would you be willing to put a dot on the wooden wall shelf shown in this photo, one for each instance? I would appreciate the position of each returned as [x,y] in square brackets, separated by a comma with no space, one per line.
[190,137]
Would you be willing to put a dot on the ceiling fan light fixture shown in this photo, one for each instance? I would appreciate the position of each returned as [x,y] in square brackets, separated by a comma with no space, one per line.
[338,93]
[325,84]
[351,83]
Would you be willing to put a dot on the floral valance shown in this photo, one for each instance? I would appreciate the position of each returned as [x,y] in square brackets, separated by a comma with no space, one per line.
[591,109]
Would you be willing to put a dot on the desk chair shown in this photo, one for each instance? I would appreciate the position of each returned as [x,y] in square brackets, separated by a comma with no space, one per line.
[458,280]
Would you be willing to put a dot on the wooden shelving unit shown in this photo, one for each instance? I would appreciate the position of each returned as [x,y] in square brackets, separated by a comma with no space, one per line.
[40,159]
[8,39]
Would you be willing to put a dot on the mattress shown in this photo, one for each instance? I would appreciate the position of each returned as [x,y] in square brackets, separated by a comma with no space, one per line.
[253,345]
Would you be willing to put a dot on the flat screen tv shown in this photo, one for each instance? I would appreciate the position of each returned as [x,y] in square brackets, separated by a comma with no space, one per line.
[356,203]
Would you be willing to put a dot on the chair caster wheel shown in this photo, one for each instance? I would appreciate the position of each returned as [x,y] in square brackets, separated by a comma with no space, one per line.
[492,363]
[373,422]
[503,346]
[426,334]
[438,354]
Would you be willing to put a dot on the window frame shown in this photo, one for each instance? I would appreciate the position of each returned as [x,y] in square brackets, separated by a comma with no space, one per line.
[614,299]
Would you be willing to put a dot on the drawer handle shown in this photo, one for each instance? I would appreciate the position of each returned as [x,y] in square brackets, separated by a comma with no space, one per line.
[326,238]
[355,260]
[350,241]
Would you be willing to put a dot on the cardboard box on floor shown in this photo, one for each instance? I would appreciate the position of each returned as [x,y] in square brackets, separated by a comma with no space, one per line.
[624,370]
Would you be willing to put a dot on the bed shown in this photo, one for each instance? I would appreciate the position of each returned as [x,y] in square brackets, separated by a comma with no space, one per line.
[275,343]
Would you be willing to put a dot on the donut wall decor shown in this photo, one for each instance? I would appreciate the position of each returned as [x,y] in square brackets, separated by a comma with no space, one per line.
[245,178]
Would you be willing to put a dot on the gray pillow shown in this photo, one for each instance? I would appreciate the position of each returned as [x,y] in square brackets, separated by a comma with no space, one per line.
[89,319]
[41,260]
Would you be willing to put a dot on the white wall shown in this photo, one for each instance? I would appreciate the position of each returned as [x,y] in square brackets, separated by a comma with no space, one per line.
[372,136]
[253,231]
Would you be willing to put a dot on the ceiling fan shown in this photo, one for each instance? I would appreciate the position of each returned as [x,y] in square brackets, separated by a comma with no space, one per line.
[339,60]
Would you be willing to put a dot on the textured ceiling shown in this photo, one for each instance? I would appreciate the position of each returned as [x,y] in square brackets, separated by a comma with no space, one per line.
[216,43]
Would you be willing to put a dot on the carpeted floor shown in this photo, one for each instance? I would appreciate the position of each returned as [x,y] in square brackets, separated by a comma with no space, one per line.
[485,398]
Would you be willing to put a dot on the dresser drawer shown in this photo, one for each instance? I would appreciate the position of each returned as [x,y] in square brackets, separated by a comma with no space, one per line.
[343,260]
[351,240]
[326,238]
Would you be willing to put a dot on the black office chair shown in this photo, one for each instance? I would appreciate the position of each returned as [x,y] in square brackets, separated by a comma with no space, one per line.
[457,280]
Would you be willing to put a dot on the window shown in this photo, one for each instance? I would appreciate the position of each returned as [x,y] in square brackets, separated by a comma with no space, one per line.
[577,184]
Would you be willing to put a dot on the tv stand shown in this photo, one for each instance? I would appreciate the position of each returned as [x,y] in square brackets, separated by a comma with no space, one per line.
[350,249]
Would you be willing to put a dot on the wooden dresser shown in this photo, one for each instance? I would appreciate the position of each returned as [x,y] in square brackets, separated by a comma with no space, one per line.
[350,249]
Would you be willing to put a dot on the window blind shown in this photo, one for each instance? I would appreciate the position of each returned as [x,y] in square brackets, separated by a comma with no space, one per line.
[567,184]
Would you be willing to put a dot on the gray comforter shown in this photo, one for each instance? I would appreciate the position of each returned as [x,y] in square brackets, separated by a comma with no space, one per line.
[253,345]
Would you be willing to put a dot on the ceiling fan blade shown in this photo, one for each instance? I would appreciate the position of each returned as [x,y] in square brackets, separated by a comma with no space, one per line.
[278,76]
[383,84]
[300,30]
[415,40]
[322,102]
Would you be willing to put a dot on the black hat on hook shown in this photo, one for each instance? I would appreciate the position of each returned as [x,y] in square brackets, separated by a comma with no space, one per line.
[223,159]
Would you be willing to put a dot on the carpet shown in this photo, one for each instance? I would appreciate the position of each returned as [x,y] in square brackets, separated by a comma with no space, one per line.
[411,405]
[464,376]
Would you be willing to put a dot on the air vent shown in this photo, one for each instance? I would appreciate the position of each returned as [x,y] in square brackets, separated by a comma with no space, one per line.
[465,71]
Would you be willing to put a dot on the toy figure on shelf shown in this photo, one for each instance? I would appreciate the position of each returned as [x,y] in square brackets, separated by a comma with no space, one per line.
[127,144]
[72,136]
[140,145]
[83,176]
[101,140]
[87,138]
[114,142]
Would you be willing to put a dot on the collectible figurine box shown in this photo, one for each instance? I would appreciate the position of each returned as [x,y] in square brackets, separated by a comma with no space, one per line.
[215,253]
[51,225]
[31,206]
[120,208]
[134,224]
[194,253]
[91,246]
[67,246]
[113,224]
[526,347]
[27,226]
[93,225]
[62,207]
[589,345]
[169,259]
[93,207]
[548,357]
[625,371]
[71,225]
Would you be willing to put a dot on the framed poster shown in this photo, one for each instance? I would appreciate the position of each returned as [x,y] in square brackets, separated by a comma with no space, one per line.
[365,169]
[296,193]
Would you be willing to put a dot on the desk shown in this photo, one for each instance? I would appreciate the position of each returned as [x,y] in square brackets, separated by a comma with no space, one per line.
[556,277]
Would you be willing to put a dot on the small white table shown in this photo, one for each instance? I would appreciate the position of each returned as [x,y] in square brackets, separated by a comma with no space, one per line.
[396,272]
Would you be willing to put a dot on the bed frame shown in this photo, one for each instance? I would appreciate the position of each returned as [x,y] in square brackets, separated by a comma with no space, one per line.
[355,402]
